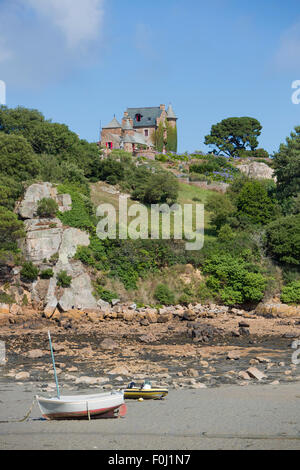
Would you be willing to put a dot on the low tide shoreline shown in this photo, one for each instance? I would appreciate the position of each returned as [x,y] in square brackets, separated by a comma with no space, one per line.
[230,417]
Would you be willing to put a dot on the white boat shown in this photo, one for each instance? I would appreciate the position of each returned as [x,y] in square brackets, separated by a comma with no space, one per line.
[101,405]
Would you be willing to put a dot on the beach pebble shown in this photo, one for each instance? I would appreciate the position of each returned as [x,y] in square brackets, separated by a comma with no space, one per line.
[22,376]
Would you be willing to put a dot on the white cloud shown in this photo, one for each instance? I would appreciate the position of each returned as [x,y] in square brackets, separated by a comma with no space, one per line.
[288,54]
[78,20]
[42,41]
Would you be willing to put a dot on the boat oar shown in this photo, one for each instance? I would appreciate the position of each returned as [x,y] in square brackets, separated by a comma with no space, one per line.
[54,368]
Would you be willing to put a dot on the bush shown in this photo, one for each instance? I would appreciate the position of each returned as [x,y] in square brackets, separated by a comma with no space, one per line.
[255,204]
[291,294]
[234,280]
[283,239]
[82,214]
[17,158]
[157,188]
[47,273]
[7,298]
[11,230]
[105,294]
[10,191]
[164,295]
[63,280]
[47,208]
[29,272]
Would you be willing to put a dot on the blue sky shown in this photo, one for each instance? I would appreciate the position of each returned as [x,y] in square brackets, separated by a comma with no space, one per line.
[82,61]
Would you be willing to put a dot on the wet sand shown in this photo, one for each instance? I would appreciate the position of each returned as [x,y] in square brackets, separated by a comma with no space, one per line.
[228,417]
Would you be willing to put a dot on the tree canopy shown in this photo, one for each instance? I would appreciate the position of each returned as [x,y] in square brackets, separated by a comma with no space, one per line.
[287,166]
[233,136]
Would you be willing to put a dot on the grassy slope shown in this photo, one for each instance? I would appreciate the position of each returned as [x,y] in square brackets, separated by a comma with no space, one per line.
[187,194]
[174,276]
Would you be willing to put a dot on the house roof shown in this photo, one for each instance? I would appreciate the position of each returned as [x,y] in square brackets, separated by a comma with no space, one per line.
[114,124]
[148,116]
[170,112]
[137,138]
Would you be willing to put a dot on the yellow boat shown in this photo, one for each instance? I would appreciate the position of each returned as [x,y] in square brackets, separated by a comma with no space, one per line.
[146,391]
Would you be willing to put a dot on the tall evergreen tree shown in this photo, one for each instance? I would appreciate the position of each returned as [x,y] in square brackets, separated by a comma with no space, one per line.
[287,166]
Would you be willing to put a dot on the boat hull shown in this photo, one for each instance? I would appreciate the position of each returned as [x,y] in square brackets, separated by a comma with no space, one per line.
[105,405]
[151,394]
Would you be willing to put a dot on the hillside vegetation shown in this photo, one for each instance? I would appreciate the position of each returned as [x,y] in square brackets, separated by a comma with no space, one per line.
[252,233]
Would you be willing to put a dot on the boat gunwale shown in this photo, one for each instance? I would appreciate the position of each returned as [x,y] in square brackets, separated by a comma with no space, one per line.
[91,398]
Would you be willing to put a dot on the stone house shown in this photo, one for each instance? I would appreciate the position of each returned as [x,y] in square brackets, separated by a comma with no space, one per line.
[136,132]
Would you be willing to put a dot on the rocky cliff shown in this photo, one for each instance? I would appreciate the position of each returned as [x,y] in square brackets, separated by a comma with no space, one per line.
[257,170]
[50,245]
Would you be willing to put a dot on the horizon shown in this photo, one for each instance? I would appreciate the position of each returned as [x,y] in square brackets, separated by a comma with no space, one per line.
[92,61]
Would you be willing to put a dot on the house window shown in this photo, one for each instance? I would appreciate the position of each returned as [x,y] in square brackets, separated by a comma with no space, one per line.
[146,132]
[138,117]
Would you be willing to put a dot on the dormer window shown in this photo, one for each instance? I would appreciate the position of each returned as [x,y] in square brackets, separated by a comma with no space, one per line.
[138,117]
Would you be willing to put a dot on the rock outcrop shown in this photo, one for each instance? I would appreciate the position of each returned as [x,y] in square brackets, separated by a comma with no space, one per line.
[36,192]
[257,170]
[48,244]
[277,310]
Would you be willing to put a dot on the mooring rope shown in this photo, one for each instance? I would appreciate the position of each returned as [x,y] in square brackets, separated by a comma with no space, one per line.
[23,419]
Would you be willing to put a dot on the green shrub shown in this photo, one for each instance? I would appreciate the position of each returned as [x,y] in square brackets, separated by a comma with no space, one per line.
[63,280]
[254,203]
[291,294]
[54,258]
[82,214]
[6,298]
[164,295]
[10,191]
[234,280]
[105,294]
[29,272]
[11,230]
[47,208]
[283,239]
[17,158]
[47,273]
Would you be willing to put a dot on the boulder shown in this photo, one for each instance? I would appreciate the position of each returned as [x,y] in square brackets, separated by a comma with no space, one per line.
[244,375]
[151,316]
[257,170]
[120,370]
[150,338]
[255,373]
[43,239]
[71,239]
[36,353]
[103,305]
[22,376]
[36,192]
[79,295]
[280,310]
[234,355]
[108,343]
[164,318]
[189,315]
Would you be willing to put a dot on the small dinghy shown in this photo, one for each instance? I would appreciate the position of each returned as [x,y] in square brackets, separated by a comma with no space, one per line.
[101,405]
[146,391]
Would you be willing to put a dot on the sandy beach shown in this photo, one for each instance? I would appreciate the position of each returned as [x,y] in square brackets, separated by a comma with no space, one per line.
[228,417]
